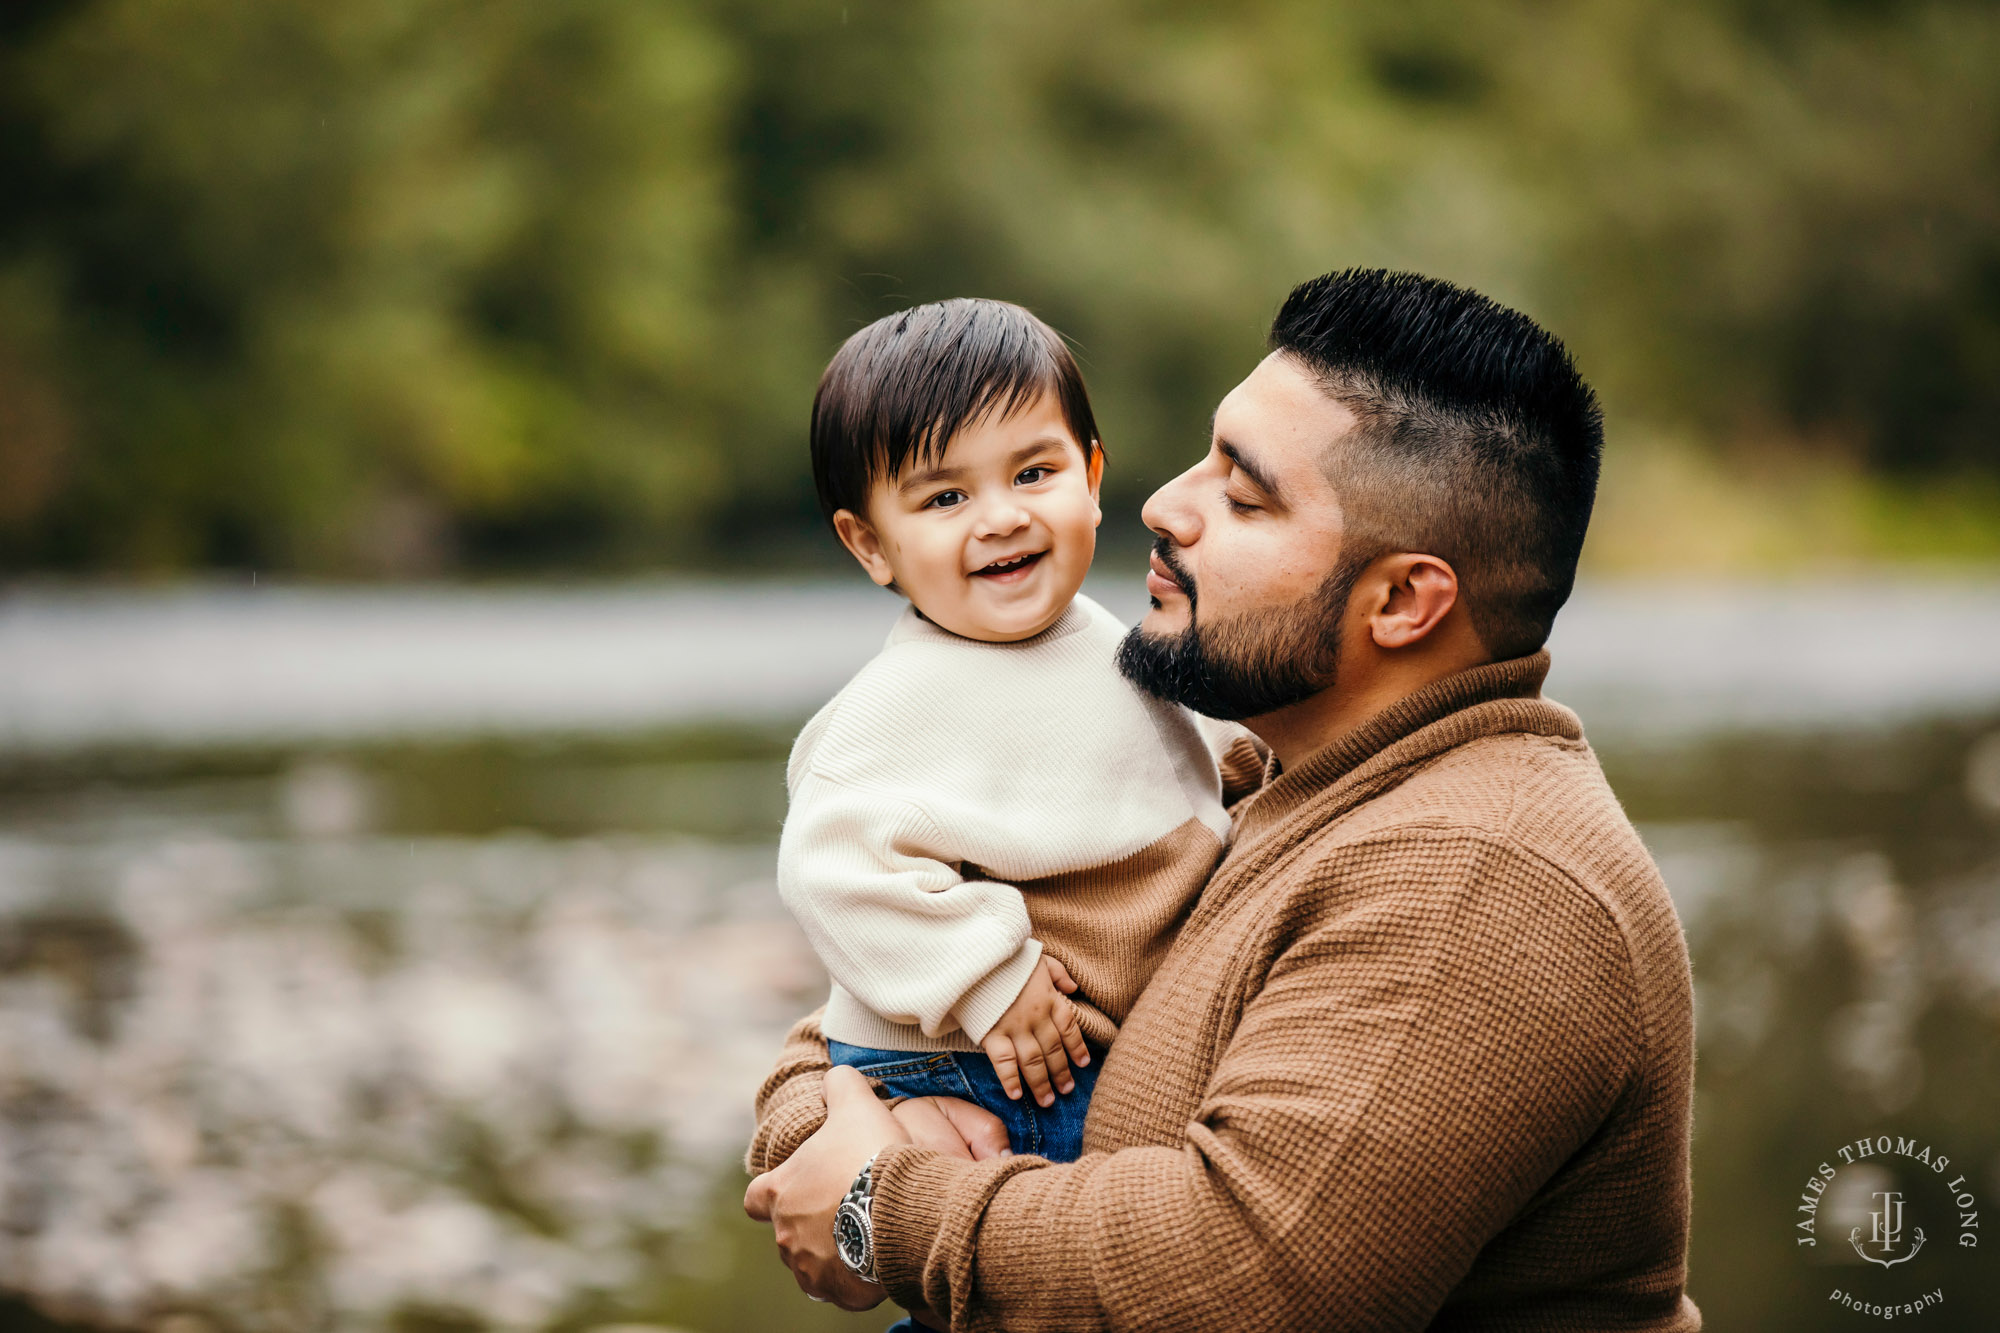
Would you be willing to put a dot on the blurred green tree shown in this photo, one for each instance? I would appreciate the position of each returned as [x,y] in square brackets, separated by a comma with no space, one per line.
[402,287]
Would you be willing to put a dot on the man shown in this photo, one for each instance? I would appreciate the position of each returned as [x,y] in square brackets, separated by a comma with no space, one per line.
[1422,1054]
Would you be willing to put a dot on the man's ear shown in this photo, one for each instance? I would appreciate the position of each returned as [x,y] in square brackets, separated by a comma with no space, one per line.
[1417,592]
[858,535]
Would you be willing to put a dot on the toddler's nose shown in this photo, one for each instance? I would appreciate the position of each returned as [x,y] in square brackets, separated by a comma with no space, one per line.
[999,518]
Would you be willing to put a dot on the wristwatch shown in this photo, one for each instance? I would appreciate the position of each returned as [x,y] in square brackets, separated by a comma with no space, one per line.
[853,1231]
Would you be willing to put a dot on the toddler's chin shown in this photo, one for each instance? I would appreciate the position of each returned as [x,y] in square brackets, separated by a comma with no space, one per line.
[1018,623]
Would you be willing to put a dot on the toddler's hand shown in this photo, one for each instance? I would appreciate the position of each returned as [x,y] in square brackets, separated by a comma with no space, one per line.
[1039,1037]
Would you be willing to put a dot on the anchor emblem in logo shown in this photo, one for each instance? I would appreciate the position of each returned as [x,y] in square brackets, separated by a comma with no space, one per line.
[1887,1232]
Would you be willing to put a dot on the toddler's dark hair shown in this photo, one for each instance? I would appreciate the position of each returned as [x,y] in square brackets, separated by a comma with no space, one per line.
[897,391]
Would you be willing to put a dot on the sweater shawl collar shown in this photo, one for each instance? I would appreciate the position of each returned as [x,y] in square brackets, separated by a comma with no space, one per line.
[1489,700]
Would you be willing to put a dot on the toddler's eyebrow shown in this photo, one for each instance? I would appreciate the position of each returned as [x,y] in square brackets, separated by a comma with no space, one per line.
[1035,446]
[926,476]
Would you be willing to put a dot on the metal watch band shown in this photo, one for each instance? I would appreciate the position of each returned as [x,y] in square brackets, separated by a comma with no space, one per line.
[853,1225]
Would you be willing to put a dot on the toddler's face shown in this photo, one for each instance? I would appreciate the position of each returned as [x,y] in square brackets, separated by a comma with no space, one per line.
[992,540]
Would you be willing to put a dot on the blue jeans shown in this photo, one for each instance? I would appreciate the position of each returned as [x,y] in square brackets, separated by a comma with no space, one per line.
[1054,1132]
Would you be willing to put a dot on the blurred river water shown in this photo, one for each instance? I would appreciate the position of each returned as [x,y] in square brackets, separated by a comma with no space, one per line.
[406,959]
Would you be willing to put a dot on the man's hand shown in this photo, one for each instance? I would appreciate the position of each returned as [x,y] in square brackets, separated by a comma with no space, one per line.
[800,1197]
[1038,1036]
[954,1128]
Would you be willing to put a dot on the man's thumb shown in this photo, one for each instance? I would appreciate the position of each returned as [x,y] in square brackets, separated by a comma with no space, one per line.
[845,1086]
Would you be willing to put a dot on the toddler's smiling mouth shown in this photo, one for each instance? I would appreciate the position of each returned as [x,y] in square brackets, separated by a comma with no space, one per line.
[1012,567]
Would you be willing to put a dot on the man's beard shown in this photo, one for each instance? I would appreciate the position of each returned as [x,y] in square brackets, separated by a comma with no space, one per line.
[1248,665]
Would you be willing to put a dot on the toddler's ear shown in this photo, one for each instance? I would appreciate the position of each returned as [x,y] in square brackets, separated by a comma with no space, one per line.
[858,535]
[1097,477]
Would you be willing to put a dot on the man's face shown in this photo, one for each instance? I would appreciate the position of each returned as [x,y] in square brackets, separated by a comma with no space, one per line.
[1248,582]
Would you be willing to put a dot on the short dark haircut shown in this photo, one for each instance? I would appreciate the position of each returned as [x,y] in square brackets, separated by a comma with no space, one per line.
[1479,442]
[897,391]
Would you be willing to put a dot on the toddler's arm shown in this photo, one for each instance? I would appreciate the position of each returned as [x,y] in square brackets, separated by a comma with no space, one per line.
[896,924]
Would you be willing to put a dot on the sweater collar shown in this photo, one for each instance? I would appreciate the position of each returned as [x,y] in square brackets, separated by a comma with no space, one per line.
[1482,701]
[914,625]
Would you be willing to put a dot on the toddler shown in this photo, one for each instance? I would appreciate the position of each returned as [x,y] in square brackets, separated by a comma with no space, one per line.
[992,836]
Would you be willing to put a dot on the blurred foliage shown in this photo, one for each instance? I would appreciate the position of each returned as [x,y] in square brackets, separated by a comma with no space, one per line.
[403,286]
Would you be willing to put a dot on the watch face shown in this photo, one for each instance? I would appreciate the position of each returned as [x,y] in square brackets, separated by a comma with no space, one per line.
[850,1235]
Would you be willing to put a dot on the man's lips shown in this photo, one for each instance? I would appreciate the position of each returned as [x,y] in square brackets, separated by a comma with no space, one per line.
[1010,570]
[1160,580]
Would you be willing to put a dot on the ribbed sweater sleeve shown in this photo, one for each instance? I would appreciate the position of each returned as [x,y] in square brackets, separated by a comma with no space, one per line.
[791,1102]
[1408,1070]
[896,926]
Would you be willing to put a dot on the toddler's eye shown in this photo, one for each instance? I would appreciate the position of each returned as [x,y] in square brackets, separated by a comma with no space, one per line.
[1029,476]
[945,500]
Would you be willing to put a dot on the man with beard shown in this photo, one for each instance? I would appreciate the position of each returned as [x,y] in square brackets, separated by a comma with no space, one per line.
[1422,1053]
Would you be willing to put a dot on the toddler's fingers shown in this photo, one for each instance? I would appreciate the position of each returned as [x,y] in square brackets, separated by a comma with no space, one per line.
[1001,1052]
[1059,974]
[1035,1070]
[1054,1055]
[1072,1035]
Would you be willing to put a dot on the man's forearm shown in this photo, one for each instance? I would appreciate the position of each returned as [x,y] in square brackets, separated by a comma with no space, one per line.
[790,1103]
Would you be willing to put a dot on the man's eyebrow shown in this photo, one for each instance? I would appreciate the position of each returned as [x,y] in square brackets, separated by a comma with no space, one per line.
[1258,477]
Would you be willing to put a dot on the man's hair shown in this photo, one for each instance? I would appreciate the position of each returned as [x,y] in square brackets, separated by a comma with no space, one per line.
[897,391]
[1479,441]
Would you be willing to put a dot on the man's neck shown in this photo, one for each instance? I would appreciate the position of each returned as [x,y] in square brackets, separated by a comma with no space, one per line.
[1360,690]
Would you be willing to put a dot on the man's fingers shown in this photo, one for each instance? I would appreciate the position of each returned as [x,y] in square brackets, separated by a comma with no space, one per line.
[1001,1052]
[984,1134]
[844,1087]
[757,1200]
[1059,975]
[1072,1034]
[851,1100]
[930,1127]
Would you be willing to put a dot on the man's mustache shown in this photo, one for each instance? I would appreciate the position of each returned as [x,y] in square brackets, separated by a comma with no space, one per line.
[1163,550]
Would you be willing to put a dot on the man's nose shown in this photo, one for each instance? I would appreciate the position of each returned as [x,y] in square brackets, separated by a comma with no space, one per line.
[1170,512]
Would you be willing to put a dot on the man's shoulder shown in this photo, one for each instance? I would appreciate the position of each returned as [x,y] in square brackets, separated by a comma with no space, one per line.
[1538,800]
[1545,795]
[1539,804]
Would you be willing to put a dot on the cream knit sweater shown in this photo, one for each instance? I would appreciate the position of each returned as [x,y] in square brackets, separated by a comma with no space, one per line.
[960,806]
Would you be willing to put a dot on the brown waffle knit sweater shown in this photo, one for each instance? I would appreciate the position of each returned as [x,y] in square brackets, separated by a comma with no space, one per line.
[1421,1056]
